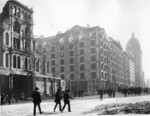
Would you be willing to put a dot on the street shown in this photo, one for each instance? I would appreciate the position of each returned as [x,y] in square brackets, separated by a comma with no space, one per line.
[86,106]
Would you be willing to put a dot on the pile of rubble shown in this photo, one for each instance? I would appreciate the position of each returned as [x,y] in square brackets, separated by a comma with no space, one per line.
[130,108]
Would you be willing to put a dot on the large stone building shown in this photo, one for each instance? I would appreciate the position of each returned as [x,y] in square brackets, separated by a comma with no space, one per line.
[87,59]
[134,47]
[22,67]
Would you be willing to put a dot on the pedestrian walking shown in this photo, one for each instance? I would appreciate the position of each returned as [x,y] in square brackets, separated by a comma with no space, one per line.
[2,98]
[101,94]
[58,99]
[67,98]
[8,97]
[36,100]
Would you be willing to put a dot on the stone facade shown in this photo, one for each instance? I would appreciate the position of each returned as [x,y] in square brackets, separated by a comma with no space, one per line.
[87,59]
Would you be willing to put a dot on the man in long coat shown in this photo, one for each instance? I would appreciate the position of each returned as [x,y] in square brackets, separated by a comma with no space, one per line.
[36,100]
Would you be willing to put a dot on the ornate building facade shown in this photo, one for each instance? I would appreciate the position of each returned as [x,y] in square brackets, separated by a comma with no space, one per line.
[22,66]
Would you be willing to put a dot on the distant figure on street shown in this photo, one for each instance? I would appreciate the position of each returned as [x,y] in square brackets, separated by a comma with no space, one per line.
[58,99]
[36,100]
[67,98]
[2,98]
[101,94]
[8,97]
[75,93]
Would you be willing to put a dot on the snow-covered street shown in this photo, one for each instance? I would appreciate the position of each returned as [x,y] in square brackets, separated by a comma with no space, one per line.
[79,107]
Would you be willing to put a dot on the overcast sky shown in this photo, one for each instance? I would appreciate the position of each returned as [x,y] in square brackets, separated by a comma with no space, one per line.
[119,18]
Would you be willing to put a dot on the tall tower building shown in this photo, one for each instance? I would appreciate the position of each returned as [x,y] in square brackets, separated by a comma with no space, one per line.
[134,47]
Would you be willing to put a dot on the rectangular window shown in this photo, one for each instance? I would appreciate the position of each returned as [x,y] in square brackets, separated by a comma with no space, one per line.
[62,69]
[71,60]
[37,65]
[93,50]
[71,53]
[52,56]
[53,62]
[93,74]
[62,54]
[93,66]
[92,43]
[71,46]
[82,59]
[62,61]
[82,67]
[72,76]
[18,62]
[7,60]
[61,48]
[52,49]
[72,68]
[93,58]
[82,52]
[81,44]
[82,76]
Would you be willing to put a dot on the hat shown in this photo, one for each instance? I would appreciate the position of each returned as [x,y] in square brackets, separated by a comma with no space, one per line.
[36,88]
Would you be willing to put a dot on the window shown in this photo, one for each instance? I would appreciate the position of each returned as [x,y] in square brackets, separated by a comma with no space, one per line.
[26,63]
[62,69]
[53,62]
[82,59]
[93,58]
[71,46]
[37,65]
[93,51]
[7,60]
[81,44]
[93,74]
[93,36]
[7,39]
[93,66]
[92,43]
[72,76]
[18,13]
[62,61]
[71,60]
[82,68]
[16,43]
[52,55]
[16,27]
[14,10]
[52,49]
[18,62]
[61,48]
[82,76]
[53,69]
[62,54]
[14,61]
[72,68]
[62,76]
[71,53]
[82,52]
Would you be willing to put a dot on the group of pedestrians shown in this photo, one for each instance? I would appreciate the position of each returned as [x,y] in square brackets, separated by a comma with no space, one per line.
[6,98]
[58,97]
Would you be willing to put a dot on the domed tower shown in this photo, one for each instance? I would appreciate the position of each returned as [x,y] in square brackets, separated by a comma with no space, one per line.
[133,46]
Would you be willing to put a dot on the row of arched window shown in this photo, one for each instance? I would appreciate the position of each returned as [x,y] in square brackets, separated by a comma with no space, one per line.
[21,14]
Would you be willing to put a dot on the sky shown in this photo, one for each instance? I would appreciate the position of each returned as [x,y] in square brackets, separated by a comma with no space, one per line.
[119,18]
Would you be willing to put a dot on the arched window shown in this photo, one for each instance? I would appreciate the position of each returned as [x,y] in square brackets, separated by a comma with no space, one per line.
[14,61]
[7,39]
[16,27]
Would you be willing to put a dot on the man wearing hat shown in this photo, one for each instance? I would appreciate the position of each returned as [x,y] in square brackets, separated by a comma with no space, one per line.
[36,100]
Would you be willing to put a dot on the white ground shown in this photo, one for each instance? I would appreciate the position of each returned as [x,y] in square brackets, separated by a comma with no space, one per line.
[78,106]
